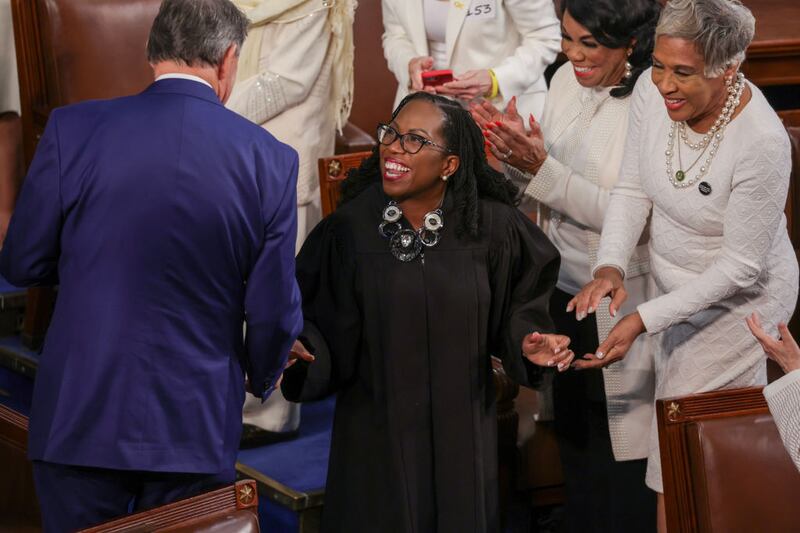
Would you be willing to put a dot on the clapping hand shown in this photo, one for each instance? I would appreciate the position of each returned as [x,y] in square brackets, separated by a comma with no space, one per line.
[484,113]
[546,349]
[508,139]
[783,351]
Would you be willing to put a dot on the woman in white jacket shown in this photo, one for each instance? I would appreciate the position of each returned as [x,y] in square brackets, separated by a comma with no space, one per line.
[496,48]
[569,162]
[295,79]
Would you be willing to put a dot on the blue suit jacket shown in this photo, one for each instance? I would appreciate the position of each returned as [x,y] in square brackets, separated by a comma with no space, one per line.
[167,220]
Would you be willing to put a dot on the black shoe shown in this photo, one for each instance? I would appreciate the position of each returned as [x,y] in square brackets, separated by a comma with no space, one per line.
[254,436]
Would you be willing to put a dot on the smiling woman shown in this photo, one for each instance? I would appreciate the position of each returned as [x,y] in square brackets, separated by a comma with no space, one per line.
[569,162]
[707,163]
[423,273]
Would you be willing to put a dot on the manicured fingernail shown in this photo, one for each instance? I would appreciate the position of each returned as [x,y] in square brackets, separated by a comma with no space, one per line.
[600,355]
[561,366]
[485,133]
[490,125]
[487,143]
[613,312]
[557,350]
[550,363]
[591,310]
[570,307]
[497,123]
[580,316]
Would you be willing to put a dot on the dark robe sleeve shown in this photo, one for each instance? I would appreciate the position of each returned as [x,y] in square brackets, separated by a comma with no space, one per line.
[332,317]
[524,267]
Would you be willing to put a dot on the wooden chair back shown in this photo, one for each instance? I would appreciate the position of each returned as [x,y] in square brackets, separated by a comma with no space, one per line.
[724,465]
[233,508]
[19,508]
[69,51]
[74,50]
[332,172]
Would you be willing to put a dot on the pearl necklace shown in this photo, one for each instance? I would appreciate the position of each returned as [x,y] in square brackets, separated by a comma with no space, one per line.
[713,137]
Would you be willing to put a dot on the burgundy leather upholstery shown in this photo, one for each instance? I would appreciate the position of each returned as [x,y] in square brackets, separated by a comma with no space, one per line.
[743,478]
[97,48]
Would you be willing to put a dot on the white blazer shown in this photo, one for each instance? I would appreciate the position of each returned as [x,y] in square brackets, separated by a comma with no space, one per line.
[516,38]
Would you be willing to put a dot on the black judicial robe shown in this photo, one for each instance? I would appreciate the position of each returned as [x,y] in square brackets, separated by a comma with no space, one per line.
[406,347]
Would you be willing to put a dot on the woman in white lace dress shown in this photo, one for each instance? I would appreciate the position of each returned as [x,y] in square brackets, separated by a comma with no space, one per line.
[710,173]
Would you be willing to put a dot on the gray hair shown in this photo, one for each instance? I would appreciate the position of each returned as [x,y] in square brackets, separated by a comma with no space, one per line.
[196,32]
[721,30]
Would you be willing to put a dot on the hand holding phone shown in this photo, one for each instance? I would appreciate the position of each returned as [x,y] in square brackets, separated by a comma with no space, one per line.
[434,78]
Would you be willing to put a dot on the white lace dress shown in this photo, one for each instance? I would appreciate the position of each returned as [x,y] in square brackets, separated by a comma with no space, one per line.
[716,258]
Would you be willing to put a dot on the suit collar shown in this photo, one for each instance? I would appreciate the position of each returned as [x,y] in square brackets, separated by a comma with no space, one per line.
[184,87]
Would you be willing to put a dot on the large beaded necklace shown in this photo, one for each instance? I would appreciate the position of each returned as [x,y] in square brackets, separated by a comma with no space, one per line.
[407,244]
[710,141]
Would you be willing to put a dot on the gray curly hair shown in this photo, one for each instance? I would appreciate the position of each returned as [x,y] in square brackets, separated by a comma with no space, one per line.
[721,29]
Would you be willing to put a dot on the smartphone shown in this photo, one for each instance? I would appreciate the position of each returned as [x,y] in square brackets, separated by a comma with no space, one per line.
[436,77]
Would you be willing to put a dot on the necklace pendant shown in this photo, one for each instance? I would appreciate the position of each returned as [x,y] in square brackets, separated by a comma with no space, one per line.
[680,175]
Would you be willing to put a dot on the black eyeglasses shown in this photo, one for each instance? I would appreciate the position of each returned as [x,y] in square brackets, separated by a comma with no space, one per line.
[410,142]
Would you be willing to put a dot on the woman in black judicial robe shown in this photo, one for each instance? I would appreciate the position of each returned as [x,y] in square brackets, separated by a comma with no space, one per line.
[424,271]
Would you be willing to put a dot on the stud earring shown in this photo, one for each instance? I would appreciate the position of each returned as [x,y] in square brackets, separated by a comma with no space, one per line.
[444,177]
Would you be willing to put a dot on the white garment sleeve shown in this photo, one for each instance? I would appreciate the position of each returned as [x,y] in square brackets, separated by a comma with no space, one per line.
[783,398]
[397,46]
[752,220]
[292,55]
[629,206]
[539,28]
[566,191]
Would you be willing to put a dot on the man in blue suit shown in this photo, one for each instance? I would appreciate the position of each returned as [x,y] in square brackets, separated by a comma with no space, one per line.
[167,221]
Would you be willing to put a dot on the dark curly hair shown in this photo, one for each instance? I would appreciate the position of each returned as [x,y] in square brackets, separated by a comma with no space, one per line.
[613,23]
[474,178]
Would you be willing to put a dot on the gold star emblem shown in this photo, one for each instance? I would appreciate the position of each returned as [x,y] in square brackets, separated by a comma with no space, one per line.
[458,5]
[246,495]
[673,411]
[334,168]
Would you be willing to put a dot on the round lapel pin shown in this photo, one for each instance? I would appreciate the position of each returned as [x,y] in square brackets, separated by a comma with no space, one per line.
[705,188]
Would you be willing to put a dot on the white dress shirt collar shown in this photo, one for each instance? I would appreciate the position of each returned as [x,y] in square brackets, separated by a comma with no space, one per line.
[179,76]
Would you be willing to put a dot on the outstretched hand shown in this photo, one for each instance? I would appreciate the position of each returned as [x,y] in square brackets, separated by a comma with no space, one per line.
[547,349]
[616,345]
[783,350]
[296,352]
[607,282]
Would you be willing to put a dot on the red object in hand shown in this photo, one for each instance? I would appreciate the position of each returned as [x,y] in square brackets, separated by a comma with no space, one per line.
[432,78]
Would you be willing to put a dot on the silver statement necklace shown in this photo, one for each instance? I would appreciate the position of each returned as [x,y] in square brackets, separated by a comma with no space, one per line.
[709,142]
[407,244]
